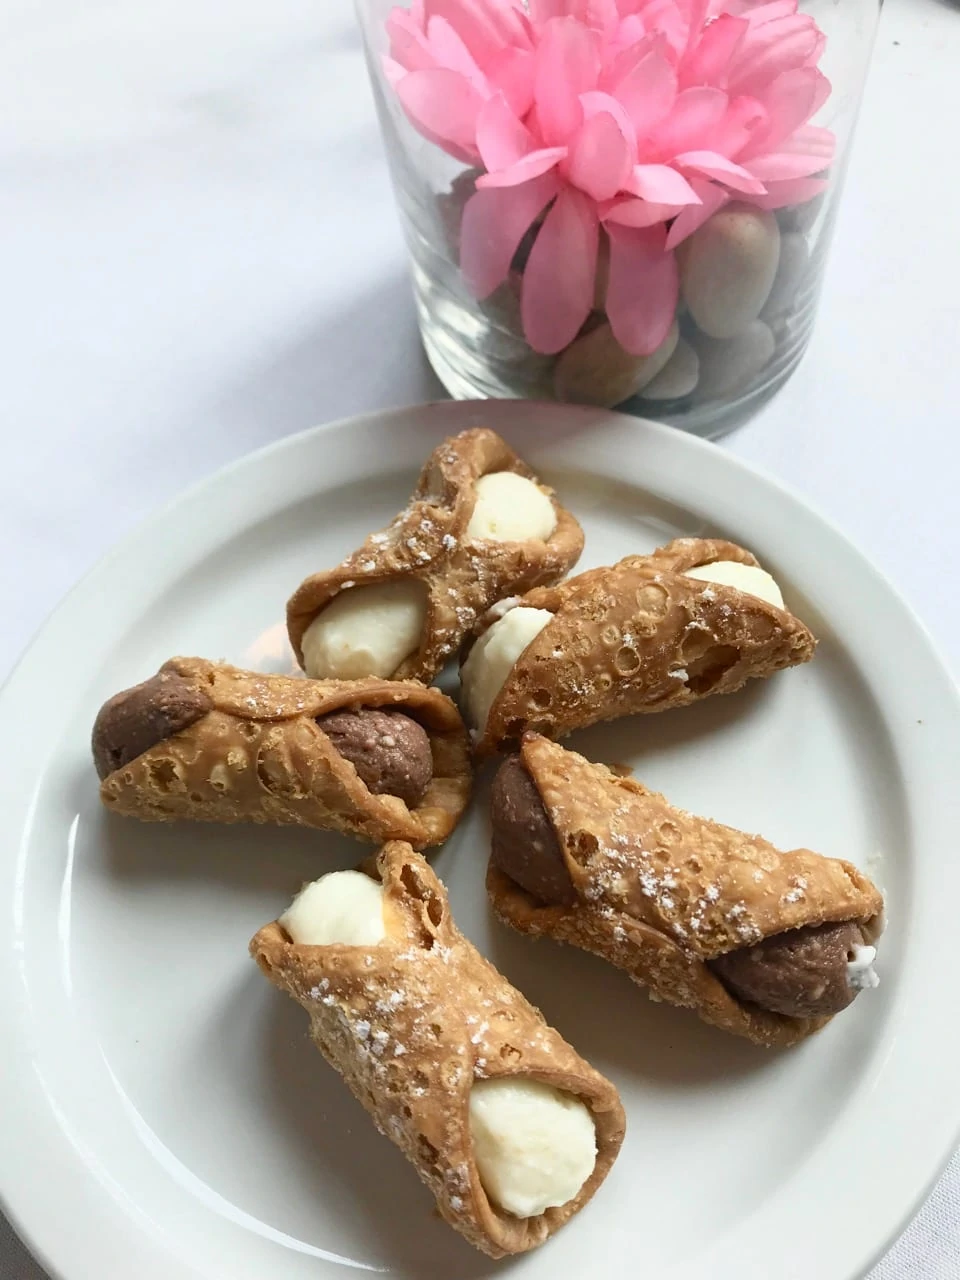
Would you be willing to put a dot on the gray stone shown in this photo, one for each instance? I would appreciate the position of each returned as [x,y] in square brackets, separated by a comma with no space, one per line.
[727,269]
[678,377]
[794,261]
[727,367]
[595,369]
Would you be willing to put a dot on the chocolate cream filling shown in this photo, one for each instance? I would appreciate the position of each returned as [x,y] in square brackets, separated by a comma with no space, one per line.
[801,973]
[389,750]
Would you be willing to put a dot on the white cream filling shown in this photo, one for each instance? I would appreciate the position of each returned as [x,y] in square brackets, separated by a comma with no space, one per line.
[534,1146]
[343,906]
[491,659]
[860,971]
[510,508]
[745,577]
[366,631]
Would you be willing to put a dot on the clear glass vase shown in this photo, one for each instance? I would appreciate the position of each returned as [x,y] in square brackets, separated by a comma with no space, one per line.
[747,278]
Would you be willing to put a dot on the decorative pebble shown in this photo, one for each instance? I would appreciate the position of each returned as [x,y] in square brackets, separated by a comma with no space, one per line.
[727,269]
[595,369]
[528,374]
[678,377]
[602,278]
[801,217]
[503,305]
[794,260]
[729,366]
[450,205]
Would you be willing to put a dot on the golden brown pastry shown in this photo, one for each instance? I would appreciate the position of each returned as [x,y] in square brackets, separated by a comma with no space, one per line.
[479,527]
[489,1104]
[646,634]
[376,759]
[763,943]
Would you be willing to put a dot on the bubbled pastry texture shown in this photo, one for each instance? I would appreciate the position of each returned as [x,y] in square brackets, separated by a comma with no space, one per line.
[411,1022]
[640,636]
[258,755]
[661,892]
[427,540]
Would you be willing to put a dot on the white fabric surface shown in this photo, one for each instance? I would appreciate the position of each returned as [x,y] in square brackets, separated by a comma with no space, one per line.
[198,255]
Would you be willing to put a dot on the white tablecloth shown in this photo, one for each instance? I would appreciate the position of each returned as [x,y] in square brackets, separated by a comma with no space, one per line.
[198,255]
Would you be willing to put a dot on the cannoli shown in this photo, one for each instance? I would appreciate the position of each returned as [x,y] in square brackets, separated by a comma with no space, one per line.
[506,1124]
[479,527]
[766,944]
[698,616]
[376,759]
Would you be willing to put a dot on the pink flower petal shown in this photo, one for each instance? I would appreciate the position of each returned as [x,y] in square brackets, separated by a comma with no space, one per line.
[780,165]
[660,183]
[760,14]
[502,139]
[512,72]
[713,165]
[442,103]
[816,53]
[696,16]
[484,26]
[599,158]
[531,166]
[632,30]
[596,101]
[493,224]
[754,71]
[811,140]
[408,45]
[708,59]
[568,64]
[666,18]
[694,117]
[626,59]
[780,195]
[695,216]
[448,50]
[790,100]
[648,92]
[744,119]
[393,73]
[558,282]
[643,288]
[541,11]
[601,15]
[638,213]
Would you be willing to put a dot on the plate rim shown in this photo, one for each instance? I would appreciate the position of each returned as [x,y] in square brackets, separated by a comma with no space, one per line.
[20,1211]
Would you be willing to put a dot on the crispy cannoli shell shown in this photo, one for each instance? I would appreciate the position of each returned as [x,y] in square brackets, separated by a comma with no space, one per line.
[660,892]
[463,577]
[412,1021]
[258,756]
[639,636]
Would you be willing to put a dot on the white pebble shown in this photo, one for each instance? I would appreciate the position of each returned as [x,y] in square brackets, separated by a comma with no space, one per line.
[727,269]
[728,367]
[678,377]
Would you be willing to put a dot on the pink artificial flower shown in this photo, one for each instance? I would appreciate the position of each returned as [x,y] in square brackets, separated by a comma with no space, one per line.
[640,117]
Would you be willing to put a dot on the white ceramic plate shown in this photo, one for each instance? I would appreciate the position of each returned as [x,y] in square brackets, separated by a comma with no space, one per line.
[164,1115]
